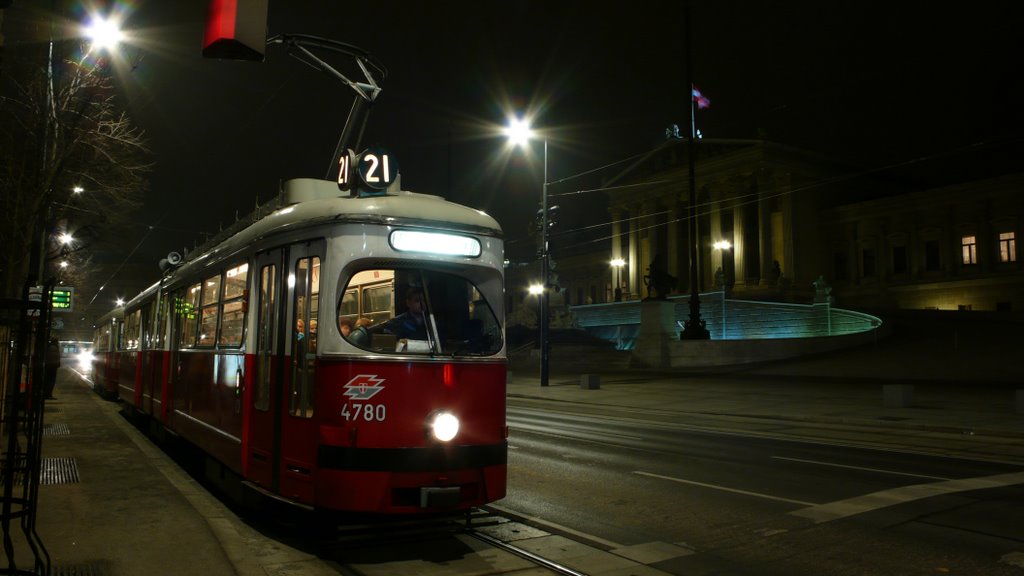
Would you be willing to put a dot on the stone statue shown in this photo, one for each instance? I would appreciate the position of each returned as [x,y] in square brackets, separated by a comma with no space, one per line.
[658,281]
[822,291]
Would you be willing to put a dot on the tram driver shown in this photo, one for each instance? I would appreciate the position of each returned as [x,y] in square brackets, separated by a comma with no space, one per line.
[411,324]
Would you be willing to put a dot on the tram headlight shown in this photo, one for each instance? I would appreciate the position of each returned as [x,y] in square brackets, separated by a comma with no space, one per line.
[85,359]
[444,426]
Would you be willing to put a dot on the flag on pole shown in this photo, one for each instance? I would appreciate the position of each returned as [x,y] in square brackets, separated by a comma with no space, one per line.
[701,100]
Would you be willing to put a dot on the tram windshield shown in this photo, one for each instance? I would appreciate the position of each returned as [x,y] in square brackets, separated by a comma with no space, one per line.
[403,311]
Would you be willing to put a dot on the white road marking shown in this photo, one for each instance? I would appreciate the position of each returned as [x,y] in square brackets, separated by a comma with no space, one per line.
[586,436]
[1013,559]
[884,498]
[724,488]
[860,468]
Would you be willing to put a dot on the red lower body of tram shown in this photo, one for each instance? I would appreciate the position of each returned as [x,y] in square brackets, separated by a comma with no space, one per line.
[361,441]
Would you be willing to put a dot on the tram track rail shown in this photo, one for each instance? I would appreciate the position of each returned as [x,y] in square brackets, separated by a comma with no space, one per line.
[526,554]
[359,549]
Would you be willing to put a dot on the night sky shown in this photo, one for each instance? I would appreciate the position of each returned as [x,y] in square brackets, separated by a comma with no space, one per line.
[868,83]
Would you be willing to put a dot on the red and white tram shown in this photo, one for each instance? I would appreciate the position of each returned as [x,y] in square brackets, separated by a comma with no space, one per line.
[240,350]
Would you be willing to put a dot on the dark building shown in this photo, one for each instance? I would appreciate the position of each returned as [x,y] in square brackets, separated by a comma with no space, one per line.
[774,220]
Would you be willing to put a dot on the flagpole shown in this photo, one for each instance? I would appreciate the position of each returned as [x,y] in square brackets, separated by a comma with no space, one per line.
[695,327]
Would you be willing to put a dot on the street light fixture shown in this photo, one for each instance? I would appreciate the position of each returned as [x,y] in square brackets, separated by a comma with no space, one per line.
[519,133]
[105,33]
[617,263]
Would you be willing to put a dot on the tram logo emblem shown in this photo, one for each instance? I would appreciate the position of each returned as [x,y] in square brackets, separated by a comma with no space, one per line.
[364,386]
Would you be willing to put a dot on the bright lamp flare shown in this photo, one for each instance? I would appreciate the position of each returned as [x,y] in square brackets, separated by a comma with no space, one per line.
[518,131]
[536,289]
[85,359]
[444,426]
[66,238]
[104,32]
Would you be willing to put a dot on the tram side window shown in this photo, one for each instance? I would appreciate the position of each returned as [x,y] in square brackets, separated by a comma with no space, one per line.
[233,306]
[305,308]
[161,322]
[189,312]
[131,331]
[265,330]
[146,328]
[208,311]
[118,328]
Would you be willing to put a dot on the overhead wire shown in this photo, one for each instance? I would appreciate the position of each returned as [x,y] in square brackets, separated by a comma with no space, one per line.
[706,208]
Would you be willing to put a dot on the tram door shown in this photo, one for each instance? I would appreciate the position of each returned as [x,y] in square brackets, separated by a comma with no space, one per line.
[283,435]
[263,458]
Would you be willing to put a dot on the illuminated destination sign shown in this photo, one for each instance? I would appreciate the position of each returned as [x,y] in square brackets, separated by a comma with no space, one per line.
[435,243]
[369,173]
[62,299]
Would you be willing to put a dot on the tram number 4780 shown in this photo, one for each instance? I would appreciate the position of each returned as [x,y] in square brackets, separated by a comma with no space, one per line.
[364,412]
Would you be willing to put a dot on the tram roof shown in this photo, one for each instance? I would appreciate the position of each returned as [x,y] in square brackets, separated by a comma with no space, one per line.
[308,202]
[310,197]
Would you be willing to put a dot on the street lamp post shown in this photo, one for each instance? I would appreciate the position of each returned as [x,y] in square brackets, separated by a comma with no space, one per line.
[545,341]
[519,133]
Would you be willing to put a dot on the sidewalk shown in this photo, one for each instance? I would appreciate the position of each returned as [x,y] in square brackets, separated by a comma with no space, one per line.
[112,504]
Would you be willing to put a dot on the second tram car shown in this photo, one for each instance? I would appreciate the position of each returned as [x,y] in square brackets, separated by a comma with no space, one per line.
[106,349]
[343,352]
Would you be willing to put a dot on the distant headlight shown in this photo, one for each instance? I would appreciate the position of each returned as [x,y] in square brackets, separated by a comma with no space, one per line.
[85,359]
[444,426]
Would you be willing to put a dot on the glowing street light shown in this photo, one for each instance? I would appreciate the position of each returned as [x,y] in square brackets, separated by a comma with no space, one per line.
[64,264]
[105,33]
[518,132]
[536,289]
[722,245]
[119,302]
[78,189]
[618,263]
[65,238]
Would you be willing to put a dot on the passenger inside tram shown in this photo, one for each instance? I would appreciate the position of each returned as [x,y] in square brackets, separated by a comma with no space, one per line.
[357,334]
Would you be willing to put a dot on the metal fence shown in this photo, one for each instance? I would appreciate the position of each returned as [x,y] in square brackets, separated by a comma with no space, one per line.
[24,329]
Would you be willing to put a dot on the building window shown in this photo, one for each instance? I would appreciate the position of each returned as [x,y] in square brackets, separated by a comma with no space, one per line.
[969,244]
[839,263]
[1007,247]
[899,259]
[868,257]
[932,262]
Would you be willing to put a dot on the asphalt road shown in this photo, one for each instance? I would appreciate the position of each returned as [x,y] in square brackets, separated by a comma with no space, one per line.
[742,502]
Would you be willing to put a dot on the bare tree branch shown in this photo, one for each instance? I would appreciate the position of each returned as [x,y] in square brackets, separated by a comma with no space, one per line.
[58,132]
